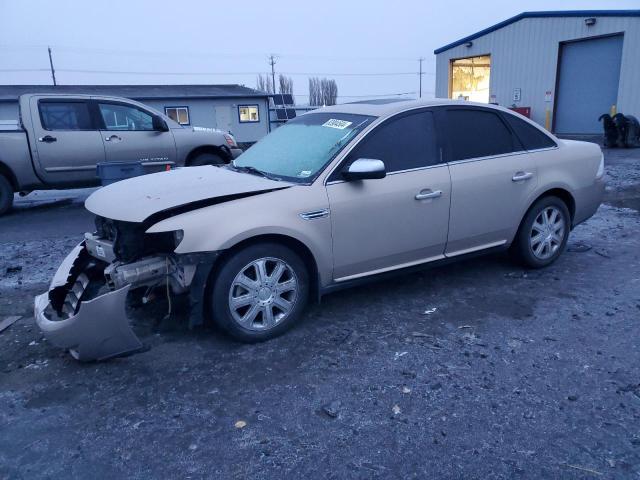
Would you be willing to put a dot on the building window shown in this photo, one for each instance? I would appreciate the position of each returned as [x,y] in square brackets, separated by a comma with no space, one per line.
[178,114]
[469,79]
[248,113]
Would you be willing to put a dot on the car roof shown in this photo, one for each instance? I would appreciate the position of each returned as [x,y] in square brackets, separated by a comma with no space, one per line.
[380,108]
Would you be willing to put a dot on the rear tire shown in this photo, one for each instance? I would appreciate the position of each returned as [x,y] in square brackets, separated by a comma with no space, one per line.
[259,292]
[206,159]
[543,233]
[6,195]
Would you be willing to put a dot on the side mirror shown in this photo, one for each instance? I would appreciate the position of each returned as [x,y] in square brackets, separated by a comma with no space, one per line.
[365,168]
[159,124]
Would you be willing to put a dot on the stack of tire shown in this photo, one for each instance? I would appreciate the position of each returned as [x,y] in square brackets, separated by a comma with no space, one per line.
[620,131]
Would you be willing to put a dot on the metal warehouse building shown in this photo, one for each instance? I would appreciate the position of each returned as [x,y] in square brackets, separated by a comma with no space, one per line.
[565,69]
[235,108]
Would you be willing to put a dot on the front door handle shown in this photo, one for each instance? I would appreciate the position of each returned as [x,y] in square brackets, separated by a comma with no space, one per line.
[48,139]
[520,176]
[426,194]
[112,137]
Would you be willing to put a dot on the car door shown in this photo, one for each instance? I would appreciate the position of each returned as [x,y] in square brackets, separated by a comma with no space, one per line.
[492,179]
[397,221]
[128,135]
[67,142]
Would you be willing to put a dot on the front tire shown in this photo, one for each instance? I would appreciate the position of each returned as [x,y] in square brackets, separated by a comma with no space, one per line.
[6,195]
[259,292]
[543,234]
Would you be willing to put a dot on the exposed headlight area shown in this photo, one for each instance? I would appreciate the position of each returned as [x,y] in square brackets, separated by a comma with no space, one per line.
[129,240]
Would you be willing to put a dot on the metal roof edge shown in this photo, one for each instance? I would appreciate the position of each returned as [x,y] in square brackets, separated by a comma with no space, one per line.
[542,14]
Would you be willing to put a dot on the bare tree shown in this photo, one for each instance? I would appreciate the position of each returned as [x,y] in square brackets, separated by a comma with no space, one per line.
[264,84]
[286,86]
[329,89]
[322,91]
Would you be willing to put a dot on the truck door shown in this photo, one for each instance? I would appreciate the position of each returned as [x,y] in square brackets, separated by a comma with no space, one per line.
[128,135]
[67,142]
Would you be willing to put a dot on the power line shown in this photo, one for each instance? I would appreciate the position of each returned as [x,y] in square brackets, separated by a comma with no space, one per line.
[326,74]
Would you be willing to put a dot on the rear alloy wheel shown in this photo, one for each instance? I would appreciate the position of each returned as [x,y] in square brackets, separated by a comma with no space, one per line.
[260,292]
[543,233]
[6,195]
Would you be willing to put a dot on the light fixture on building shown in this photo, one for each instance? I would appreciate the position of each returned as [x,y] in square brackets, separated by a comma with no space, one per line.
[468,44]
[589,21]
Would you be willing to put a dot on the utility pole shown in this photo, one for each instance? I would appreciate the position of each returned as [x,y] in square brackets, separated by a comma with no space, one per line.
[420,75]
[272,62]
[53,72]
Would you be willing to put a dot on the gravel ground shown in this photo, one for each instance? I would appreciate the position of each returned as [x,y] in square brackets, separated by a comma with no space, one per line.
[474,370]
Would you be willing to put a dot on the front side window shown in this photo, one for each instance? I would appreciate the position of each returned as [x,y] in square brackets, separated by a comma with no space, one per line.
[248,113]
[300,149]
[65,115]
[178,114]
[401,143]
[530,136]
[473,133]
[125,117]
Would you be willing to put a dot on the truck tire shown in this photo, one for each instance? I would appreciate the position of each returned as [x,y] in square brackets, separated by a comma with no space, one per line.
[6,195]
[206,159]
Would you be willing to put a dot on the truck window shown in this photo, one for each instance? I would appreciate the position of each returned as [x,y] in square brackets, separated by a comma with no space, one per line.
[64,115]
[123,117]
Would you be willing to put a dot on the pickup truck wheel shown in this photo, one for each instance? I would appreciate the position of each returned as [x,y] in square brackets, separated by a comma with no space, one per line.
[543,233]
[6,195]
[206,159]
[259,292]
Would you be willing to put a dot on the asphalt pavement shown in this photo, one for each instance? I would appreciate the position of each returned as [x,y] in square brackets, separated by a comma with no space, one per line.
[475,370]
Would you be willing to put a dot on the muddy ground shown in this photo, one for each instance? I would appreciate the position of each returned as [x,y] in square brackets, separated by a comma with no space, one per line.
[474,370]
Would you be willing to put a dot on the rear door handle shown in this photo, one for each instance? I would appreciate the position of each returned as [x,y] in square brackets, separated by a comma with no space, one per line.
[112,137]
[520,176]
[48,139]
[426,194]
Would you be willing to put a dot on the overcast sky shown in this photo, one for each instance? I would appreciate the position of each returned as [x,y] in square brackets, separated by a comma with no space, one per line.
[197,41]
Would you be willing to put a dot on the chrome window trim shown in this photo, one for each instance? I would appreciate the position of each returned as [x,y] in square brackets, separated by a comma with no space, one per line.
[363,134]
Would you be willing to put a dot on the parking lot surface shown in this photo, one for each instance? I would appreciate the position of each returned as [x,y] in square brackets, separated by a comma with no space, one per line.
[474,370]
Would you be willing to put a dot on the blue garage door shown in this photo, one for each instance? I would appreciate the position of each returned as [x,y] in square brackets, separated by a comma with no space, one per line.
[588,84]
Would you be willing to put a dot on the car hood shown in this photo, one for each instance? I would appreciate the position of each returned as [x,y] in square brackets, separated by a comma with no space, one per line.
[138,198]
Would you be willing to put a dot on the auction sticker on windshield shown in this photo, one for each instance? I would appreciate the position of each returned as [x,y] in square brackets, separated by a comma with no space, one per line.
[335,123]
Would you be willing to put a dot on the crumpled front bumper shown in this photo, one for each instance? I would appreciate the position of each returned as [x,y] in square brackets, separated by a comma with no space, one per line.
[98,330]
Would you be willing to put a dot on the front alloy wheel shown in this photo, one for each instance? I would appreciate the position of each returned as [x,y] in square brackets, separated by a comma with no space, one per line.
[263,293]
[259,292]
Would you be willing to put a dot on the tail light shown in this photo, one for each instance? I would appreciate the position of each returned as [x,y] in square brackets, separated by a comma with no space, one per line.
[230,140]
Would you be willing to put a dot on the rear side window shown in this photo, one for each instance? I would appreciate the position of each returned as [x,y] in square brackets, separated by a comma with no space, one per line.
[403,143]
[65,115]
[478,133]
[530,136]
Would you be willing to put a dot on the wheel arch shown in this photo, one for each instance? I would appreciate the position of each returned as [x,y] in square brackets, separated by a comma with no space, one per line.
[560,192]
[222,151]
[294,244]
[8,173]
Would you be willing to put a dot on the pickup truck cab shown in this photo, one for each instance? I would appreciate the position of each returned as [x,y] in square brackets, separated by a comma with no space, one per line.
[59,139]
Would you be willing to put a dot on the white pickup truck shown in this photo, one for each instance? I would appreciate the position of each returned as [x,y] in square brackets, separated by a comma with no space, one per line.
[59,139]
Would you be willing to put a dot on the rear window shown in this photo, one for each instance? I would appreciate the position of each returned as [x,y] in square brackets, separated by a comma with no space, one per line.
[478,133]
[530,136]
[65,116]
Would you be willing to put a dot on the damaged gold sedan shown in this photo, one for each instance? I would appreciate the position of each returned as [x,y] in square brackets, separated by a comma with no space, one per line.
[332,198]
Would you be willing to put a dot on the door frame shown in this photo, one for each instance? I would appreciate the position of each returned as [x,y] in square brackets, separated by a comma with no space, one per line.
[556,87]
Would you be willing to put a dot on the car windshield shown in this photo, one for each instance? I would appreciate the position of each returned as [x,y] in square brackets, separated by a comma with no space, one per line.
[300,149]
